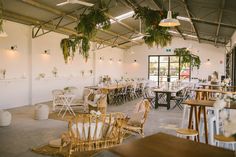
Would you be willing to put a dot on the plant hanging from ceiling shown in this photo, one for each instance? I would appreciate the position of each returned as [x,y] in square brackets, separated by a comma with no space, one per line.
[87,28]
[187,57]
[154,34]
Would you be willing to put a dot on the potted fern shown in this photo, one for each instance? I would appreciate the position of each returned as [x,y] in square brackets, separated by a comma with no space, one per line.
[87,26]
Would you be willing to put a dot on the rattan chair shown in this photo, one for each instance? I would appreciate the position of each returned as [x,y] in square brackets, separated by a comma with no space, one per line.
[89,132]
[98,105]
[135,123]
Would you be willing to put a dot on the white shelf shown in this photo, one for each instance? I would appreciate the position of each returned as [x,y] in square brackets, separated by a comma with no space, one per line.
[8,80]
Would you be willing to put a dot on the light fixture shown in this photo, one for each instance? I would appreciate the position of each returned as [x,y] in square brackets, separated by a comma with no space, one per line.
[119,61]
[111,59]
[122,17]
[100,59]
[13,47]
[46,52]
[169,21]
[135,61]
[138,38]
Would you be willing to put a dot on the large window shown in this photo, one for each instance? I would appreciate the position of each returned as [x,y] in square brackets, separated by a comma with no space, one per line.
[167,69]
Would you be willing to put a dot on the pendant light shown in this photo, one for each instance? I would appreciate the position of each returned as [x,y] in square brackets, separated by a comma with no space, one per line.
[169,21]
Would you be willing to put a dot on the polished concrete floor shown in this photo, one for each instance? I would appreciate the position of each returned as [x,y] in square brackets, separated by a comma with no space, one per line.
[25,132]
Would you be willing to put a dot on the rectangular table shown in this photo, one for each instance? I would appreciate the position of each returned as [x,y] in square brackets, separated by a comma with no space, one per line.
[168,93]
[163,145]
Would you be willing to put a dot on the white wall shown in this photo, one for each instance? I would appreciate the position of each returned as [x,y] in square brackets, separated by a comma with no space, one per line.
[21,86]
[111,63]
[205,51]
[15,91]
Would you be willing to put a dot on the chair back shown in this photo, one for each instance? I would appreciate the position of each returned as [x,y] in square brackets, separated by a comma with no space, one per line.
[92,132]
[141,109]
[55,97]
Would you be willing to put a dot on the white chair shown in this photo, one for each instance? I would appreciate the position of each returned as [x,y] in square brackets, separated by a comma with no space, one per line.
[5,118]
[66,100]
[41,112]
[56,100]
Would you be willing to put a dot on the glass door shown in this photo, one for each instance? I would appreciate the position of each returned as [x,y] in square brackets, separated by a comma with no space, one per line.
[174,68]
[167,68]
[164,69]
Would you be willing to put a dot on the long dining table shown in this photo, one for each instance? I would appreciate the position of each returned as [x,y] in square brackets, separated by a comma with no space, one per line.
[167,92]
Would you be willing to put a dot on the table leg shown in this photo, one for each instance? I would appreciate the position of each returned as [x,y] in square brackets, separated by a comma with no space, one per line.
[168,100]
[205,123]
[156,100]
[190,118]
[196,122]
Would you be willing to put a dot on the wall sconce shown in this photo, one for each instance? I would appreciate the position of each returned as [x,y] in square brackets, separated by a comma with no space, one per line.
[14,48]
[46,52]
[100,59]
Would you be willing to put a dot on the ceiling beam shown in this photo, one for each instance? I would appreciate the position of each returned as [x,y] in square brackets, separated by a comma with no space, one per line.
[214,23]
[219,20]
[8,15]
[210,40]
[55,11]
[159,6]
[190,17]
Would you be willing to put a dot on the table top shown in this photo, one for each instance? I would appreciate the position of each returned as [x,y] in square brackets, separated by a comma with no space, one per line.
[205,103]
[169,90]
[110,87]
[163,145]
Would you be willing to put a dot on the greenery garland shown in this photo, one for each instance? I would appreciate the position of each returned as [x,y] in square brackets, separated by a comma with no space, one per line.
[155,34]
[187,57]
[87,26]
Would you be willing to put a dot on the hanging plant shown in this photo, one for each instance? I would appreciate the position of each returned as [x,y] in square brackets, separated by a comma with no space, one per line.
[155,34]
[87,26]
[66,48]
[187,57]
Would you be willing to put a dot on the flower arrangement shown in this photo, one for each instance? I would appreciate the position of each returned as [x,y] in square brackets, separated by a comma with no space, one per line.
[41,75]
[105,79]
[54,71]
[226,82]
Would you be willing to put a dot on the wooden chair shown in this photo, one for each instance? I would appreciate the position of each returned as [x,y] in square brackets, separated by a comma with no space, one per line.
[89,132]
[135,123]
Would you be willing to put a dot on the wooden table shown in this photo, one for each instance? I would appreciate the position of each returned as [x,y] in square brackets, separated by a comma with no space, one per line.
[168,93]
[197,107]
[163,145]
[204,93]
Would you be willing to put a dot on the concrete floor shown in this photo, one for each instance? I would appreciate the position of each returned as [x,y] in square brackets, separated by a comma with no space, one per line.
[25,132]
